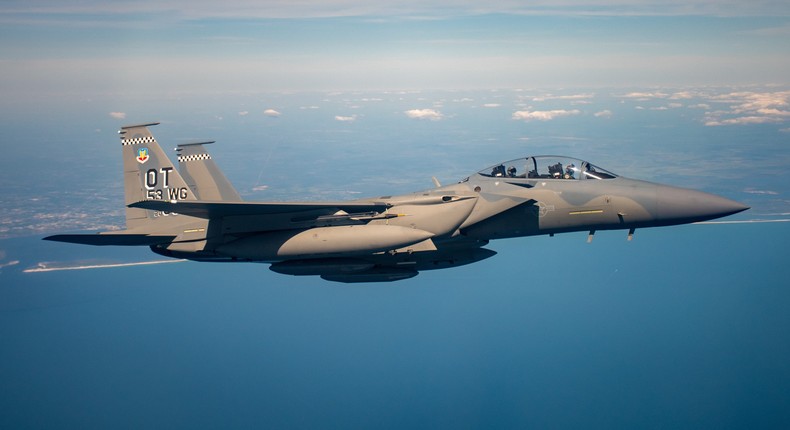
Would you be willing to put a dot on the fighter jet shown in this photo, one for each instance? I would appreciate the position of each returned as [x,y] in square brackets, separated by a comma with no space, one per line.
[195,213]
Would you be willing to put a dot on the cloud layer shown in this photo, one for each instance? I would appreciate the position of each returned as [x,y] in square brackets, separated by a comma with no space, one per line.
[108,47]
[750,108]
[278,9]
[544,115]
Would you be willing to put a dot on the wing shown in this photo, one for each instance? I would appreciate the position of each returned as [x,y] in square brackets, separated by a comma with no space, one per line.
[100,239]
[218,209]
[253,217]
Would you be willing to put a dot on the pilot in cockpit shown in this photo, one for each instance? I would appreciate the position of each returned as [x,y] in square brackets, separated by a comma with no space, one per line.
[511,171]
[570,169]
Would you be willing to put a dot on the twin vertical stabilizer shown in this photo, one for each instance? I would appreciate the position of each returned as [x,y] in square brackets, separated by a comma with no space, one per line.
[148,174]
[202,174]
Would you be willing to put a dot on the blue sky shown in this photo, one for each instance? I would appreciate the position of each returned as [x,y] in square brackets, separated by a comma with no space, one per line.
[50,48]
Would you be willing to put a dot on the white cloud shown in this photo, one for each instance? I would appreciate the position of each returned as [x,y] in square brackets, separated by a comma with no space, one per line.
[429,114]
[765,192]
[272,113]
[760,101]
[244,113]
[578,98]
[773,112]
[118,115]
[642,96]
[682,95]
[351,118]
[10,263]
[744,120]
[492,105]
[543,115]
[750,108]
[603,114]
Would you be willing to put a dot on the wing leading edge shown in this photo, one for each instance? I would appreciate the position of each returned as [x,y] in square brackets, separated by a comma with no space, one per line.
[217,209]
[118,239]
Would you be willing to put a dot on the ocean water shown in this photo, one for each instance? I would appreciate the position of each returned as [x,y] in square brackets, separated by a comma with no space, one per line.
[683,327]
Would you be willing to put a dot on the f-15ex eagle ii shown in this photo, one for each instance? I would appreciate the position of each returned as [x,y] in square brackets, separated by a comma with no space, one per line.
[194,213]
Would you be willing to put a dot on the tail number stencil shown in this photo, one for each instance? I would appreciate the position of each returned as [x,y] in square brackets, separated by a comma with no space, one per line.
[157,182]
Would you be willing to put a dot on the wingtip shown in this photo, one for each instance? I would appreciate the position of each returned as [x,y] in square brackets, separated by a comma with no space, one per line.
[149,124]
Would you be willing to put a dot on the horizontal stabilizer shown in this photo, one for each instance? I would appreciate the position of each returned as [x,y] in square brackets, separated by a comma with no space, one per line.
[99,239]
[208,210]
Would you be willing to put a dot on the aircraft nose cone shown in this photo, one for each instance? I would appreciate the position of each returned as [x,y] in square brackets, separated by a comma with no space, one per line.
[680,206]
[712,206]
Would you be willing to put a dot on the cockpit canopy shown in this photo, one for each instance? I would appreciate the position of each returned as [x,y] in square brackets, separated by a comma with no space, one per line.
[547,167]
